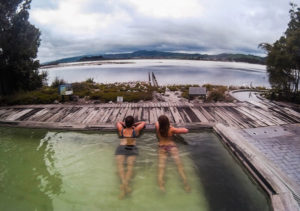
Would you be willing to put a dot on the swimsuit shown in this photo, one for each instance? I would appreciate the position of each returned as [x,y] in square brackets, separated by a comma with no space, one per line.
[132,136]
[127,150]
[167,148]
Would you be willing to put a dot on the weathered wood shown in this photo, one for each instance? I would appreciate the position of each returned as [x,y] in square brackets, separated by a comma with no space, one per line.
[176,115]
[152,115]
[168,113]
[199,115]
[112,118]
[238,115]
[106,116]
[206,114]
[72,114]
[17,115]
[256,115]
[146,115]
[138,114]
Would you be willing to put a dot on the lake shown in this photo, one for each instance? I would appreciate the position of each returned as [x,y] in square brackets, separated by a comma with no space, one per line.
[166,71]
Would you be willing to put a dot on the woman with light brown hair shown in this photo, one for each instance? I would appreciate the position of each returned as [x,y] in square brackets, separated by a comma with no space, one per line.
[167,146]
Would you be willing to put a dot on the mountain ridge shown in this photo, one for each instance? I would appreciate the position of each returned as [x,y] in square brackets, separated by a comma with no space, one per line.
[146,54]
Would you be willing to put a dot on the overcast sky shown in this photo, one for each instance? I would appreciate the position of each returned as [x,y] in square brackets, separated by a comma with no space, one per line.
[78,27]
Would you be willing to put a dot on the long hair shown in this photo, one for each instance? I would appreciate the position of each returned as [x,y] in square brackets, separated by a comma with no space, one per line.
[129,120]
[164,125]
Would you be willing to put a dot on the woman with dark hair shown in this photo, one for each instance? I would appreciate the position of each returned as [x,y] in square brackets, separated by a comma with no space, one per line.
[167,146]
[127,151]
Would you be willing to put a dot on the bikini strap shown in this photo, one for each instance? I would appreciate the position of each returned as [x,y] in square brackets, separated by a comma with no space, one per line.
[133,133]
[122,135]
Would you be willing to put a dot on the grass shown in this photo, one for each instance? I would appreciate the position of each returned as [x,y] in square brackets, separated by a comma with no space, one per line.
[103,93]
[131,92]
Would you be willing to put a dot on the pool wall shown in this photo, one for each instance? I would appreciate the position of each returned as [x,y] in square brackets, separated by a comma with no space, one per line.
[265,173]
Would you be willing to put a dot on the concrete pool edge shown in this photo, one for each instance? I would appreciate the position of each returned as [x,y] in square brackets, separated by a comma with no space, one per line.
[264,172]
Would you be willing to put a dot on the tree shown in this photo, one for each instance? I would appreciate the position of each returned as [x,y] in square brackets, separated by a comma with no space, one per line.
[283,59]
[19,42]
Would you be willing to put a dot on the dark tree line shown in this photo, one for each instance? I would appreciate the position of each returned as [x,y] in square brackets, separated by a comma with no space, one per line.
[283,59]
[19,42]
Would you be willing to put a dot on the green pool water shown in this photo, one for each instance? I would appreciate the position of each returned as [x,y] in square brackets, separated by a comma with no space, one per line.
[54,170]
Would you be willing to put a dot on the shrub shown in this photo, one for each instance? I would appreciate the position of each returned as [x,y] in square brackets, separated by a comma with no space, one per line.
[90,80]
[57,82]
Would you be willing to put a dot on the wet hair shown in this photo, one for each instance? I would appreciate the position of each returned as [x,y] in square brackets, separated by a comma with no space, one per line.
[164,125]
[129,120]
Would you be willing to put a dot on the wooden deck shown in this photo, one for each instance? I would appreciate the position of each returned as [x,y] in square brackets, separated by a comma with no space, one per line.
[238,115]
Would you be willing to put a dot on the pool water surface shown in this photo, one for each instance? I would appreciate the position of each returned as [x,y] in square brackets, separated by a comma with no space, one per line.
[56,170]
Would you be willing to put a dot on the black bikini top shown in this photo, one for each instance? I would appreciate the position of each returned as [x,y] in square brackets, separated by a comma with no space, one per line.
[132,136]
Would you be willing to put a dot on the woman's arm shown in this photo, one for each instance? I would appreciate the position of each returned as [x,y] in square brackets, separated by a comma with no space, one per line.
[120,126]
[139,126]
[157,126]
[179,130]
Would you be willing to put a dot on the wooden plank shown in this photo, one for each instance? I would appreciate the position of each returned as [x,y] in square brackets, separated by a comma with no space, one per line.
[83,115]
[17,115]
[139,114]
[70,114]
[9,112]
[49,114]
[152,115]
[284,115]
[105,119]
[257,121]
[239,117]
[74,112]
[176,115]
[112,118]
[135,114]
[200,116]
[105,112]
[159,112]
[57,115]
[193,117]
[183,115]
[26,116]
[3,111]
[97,119]
[257,115]
[268,115]
[90,116]
[230,119]
[145,115]
[38,114]
[168,113]
[212,111]
[209,117]
[122,114]
[130,111]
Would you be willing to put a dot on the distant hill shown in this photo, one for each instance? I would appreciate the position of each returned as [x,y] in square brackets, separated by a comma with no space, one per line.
[143,54]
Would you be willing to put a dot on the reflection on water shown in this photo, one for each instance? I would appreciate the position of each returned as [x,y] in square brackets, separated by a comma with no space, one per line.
[42,170]
[167,72]
[226,185]
[27,179]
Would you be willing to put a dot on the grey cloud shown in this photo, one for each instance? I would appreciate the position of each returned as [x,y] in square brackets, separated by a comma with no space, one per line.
[225,26]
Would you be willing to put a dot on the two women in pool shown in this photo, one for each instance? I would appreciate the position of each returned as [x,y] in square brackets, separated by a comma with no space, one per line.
[127,150]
